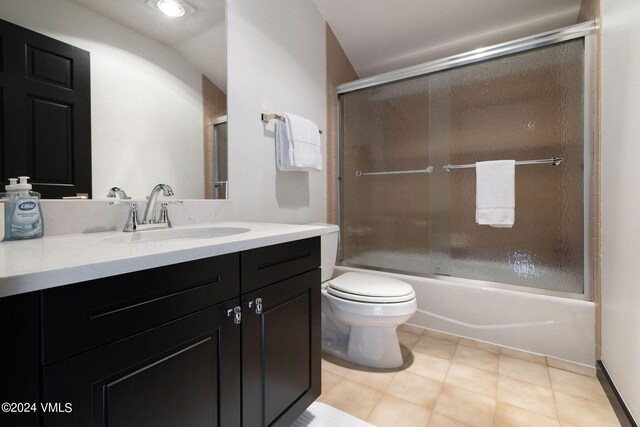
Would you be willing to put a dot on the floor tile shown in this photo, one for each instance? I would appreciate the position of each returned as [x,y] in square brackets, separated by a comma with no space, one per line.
[492,348]
[578,368]
[577,385]
[377,379]
[408,339]
[353,398]
[335,365]
[477,358]
[524,355]
[329,380]
[465,386]
[435,347]
[415,389]
[584,412]
[527,396]
[512,416]
[410,328]
[439,420]
[441,335]
[524,370]
[393,412]
[473,379]
[429,366]
[465,406]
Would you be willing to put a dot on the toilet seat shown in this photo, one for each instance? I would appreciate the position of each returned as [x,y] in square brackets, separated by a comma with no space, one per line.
[370,288]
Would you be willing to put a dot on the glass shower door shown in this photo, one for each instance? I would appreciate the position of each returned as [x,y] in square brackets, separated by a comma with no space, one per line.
[524,106]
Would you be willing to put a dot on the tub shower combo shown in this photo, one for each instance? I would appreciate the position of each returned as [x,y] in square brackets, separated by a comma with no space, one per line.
[409,141]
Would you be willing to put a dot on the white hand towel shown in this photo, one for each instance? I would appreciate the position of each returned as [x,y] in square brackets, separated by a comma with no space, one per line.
[495,193]
[298,145]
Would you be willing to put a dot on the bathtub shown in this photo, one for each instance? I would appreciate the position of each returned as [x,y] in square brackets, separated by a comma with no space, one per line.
[552,326]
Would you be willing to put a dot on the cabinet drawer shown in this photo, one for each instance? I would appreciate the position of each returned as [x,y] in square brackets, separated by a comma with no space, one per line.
[79,317]
[264,266]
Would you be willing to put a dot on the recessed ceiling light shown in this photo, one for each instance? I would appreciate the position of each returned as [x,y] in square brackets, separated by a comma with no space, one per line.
[171,8]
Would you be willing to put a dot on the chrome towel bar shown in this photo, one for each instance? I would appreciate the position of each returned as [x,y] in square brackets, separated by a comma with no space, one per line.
[428,169]
[554,161]
[268,117]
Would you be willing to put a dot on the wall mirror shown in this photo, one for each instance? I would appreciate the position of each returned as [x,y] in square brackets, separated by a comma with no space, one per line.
[158,88]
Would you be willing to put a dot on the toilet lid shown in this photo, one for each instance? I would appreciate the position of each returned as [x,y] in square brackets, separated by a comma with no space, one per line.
[365,287]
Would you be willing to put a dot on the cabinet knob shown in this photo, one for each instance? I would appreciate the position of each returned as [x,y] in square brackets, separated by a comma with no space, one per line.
[258,304]
[236,312]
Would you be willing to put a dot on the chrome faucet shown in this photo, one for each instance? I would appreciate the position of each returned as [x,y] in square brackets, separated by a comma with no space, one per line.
[150,212]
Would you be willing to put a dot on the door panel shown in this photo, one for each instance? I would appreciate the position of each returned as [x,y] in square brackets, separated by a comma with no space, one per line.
[287,371]
[186,372]
[173,391]
[281,351]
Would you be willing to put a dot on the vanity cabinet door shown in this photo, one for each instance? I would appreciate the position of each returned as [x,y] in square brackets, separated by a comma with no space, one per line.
[183,373]
[281,350]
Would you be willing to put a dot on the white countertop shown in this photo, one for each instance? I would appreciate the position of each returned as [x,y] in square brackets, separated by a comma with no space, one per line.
[32,265]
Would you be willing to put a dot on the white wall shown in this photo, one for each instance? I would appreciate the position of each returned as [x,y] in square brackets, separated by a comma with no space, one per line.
[146,100]
[277,63]
[620,197]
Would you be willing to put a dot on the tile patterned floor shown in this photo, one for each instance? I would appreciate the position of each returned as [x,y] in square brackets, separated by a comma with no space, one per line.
[452,381]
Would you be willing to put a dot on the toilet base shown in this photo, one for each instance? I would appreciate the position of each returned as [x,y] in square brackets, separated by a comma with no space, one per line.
[373,346]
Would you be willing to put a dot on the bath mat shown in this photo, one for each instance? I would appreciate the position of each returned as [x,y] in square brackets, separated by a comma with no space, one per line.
[322,415]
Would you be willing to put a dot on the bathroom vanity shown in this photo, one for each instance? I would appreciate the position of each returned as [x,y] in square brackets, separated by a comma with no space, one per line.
[224,340]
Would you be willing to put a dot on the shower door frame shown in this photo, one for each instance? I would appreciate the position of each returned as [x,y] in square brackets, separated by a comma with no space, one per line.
[585,30]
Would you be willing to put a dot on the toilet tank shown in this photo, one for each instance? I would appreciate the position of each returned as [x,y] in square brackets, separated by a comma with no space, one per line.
[329,251]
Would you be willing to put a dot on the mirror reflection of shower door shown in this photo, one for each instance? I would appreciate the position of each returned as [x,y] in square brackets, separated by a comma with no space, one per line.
[220,160]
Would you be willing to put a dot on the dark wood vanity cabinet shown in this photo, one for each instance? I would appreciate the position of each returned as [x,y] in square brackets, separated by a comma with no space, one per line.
[180,345]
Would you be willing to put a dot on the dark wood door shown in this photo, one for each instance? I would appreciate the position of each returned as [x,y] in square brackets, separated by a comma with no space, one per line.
[281,351]
[183,373]
[45,112]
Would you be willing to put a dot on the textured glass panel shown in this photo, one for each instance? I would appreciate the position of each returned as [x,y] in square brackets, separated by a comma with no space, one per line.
[523,106]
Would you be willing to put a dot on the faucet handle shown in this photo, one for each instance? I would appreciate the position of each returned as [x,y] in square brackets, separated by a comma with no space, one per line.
[117,191]
[132,221]
[164,211]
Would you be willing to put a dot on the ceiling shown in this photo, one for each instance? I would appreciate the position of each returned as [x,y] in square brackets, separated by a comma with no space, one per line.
[382,35]
[200,37]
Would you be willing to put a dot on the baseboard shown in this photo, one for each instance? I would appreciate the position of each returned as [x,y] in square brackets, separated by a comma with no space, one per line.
[619,407]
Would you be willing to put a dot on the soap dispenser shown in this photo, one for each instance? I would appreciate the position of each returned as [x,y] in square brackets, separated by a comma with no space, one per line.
[25,218]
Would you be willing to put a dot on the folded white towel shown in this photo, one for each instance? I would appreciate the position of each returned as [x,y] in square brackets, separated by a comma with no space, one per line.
[495,193]
[298,145]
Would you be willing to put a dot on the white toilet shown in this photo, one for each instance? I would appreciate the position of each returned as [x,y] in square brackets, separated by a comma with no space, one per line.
[361,311]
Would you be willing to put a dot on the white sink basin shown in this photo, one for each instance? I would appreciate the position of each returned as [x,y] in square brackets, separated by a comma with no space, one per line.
[175,234]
